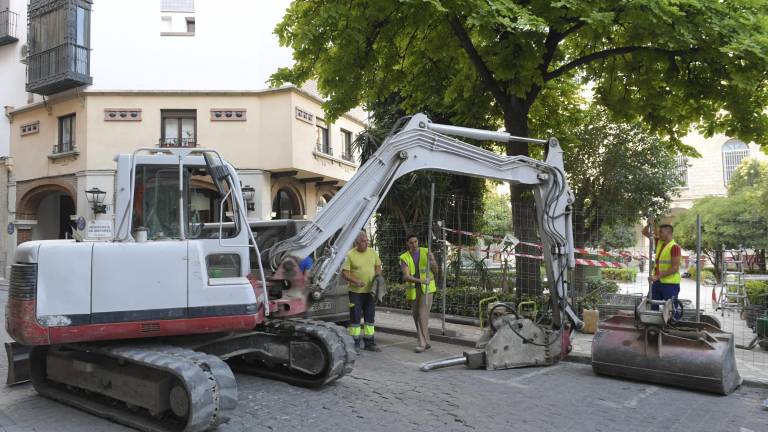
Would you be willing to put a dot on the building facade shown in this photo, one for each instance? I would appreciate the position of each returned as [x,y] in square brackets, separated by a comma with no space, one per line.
[109,77]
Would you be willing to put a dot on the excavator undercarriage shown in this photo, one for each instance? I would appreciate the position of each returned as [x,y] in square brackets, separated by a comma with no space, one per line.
[187,384]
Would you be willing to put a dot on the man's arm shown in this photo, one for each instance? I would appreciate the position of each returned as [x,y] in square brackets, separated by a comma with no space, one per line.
[407,273]
[347,275]
[377,269]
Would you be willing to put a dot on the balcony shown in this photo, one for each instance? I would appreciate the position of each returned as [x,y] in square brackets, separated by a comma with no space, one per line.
[324,149]
[348,157]
[177,143]
[58,69]
[63,151]
[59,45]
[9,23]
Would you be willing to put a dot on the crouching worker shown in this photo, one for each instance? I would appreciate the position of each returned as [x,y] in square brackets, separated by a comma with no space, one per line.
[360,268]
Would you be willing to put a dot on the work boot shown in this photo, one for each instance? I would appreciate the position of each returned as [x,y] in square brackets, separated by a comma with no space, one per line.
[370,345]
[357,345]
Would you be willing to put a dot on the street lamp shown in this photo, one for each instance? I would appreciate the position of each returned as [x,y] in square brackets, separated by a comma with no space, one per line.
[248,194]
[95,198]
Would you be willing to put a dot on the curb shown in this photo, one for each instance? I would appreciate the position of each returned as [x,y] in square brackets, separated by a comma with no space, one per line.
[572,358]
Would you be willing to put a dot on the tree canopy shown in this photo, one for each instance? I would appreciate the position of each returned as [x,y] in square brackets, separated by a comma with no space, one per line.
[737,220]
[618,173]
[522,64]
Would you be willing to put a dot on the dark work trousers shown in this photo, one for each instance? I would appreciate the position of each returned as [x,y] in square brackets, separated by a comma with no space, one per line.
[362,305]
[663,291]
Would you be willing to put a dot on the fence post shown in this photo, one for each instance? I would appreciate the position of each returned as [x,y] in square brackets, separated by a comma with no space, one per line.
[698,267]
[651,254]
[444,282]
[429,247]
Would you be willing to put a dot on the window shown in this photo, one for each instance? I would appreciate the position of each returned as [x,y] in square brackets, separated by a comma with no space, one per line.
[166,25]
[346,142]
[223,265]
[156,204]
[66,142]
[682,170]
[179,128]
[190,25]
[177,5]
[323,140]
[733,152]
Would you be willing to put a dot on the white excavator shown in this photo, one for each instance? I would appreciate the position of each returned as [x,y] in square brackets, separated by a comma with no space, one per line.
[146,328]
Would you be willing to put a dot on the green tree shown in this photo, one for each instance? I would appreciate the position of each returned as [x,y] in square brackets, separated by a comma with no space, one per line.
[619,173]
[737,220]
[668,64]
[496,219]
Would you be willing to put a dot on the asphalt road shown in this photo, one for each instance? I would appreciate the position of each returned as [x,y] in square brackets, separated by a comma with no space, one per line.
[387,392]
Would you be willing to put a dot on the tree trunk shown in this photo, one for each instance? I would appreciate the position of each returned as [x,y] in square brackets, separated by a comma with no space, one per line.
[527,270]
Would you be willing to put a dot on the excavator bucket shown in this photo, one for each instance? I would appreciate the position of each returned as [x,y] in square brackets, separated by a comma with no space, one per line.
[18,363]
[689,354]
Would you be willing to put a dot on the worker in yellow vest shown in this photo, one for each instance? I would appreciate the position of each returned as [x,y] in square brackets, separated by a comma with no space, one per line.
[665,278]
[361,267]
[420,287]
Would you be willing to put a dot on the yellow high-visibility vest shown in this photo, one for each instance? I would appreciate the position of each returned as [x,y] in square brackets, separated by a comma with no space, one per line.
[664,263]
[410,291]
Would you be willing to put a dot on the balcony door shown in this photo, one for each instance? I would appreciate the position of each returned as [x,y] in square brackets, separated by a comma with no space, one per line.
[179,128]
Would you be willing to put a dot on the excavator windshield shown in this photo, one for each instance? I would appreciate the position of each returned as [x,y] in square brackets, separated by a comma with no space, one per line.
[157,199]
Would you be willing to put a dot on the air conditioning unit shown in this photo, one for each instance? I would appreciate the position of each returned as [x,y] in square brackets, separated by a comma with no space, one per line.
[24,53]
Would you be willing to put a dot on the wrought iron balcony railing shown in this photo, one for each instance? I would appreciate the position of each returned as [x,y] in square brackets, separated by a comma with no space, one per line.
[178,142]
[348,157]
[9,24]
[59,68]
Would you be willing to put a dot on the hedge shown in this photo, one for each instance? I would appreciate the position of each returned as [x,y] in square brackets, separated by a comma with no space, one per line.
[754,289]
[707,274]
[620,274]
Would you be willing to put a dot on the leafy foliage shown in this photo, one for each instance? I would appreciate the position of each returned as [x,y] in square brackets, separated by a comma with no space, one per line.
[666,64]
[619,173]
[737,220]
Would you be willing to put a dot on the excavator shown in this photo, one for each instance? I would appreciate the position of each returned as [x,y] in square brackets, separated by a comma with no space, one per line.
[147,328]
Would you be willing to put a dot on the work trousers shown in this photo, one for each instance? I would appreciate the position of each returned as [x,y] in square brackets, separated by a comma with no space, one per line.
[420,309]
[361,305]
[664,291]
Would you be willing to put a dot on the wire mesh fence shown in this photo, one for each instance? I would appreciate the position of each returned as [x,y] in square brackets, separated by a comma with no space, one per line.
[477,266]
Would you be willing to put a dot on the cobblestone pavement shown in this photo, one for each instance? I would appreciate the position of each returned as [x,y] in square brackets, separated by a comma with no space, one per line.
[387,392]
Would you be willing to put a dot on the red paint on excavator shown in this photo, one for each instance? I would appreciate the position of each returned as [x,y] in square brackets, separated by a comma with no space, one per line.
[21,322]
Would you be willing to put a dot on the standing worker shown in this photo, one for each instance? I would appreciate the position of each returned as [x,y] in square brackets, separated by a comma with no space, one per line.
[360,268]
[665,279]
[418,291]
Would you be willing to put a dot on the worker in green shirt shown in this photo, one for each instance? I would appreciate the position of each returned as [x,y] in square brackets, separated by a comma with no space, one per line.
[360,268]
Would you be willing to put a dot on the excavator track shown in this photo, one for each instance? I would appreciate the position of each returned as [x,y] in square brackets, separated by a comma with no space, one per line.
[301,352]
[150,387]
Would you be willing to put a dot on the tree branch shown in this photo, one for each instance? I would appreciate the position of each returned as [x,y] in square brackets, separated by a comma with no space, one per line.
[550,47]
[486,75]
[612,52]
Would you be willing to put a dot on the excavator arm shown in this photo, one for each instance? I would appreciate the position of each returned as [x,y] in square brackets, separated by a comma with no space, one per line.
[418,144]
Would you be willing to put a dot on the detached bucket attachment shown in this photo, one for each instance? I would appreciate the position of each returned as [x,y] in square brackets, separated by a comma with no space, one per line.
[687,354]
[18,363]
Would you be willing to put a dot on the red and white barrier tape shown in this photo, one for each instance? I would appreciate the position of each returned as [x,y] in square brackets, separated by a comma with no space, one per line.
[582,251]
[579,261]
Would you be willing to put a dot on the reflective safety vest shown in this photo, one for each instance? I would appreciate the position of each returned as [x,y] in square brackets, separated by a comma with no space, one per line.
[410,290]
[664,263]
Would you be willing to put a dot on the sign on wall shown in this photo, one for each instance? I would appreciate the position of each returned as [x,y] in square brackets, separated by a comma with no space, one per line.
[100,229]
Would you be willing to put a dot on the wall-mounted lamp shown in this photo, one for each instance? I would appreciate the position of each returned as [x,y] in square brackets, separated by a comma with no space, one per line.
[95,198]
[248,195]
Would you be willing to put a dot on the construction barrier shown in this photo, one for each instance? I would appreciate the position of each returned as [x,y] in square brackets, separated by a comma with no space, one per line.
[580,251]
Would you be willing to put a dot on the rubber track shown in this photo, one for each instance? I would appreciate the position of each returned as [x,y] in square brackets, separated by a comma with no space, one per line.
[337,344]
[208,380]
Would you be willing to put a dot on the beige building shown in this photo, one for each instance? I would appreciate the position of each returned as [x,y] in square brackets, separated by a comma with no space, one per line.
[276,139]
[95,78]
